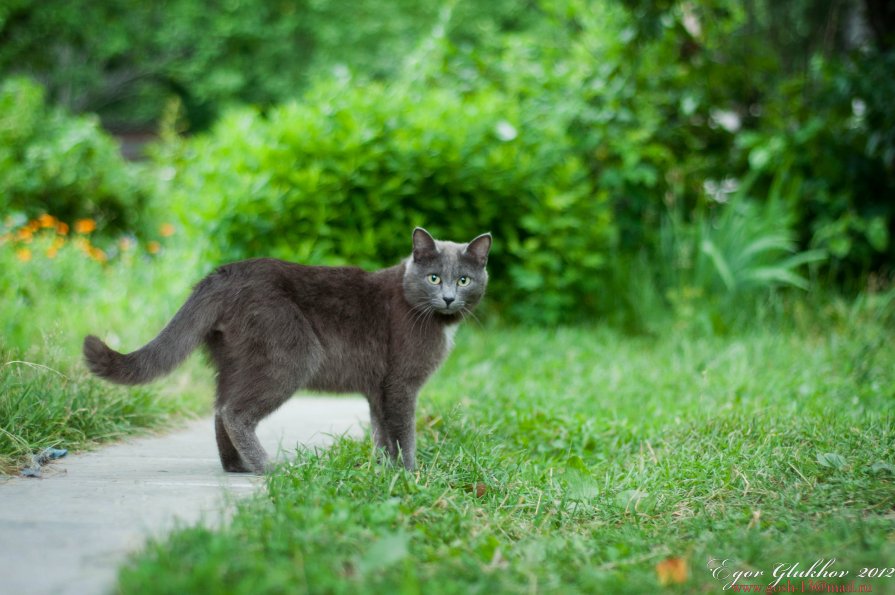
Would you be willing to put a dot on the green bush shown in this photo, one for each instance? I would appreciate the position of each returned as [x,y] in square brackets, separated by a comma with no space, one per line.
[827,148]
[344,176]
[674,105]
[125,59]
[728,258]
[52,162]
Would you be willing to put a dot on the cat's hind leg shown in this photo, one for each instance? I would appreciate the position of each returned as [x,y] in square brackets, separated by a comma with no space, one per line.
[230,459]
[242,409]
[263,356]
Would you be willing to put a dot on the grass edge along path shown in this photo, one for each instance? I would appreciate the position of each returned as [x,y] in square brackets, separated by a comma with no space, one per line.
[578,460]
[46,406]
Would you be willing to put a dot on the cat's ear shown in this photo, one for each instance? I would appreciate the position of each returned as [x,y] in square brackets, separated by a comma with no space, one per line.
[423,244]
[479,248]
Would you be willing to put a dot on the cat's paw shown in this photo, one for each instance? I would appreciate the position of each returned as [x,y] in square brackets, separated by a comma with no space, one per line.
[237,467]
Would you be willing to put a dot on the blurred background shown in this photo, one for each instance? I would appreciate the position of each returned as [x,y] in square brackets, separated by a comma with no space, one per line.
[636,160]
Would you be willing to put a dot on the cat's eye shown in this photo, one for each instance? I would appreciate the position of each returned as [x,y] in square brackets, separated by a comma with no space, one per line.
[434,279]
[463,281]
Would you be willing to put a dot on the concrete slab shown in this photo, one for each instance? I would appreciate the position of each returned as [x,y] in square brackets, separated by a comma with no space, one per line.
[69,532]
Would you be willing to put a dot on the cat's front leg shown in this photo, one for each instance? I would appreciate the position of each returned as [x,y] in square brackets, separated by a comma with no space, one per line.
[399,413]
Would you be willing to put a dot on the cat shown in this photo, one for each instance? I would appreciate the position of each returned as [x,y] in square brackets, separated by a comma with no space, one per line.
[274,327]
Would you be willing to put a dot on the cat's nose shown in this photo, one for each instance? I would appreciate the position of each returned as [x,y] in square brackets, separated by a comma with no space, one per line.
[448,301]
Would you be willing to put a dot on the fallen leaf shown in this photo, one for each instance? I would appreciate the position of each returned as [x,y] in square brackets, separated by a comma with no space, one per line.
[672,571]
[479,489]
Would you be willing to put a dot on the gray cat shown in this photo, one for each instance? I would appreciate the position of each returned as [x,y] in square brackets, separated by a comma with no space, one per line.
[273,327]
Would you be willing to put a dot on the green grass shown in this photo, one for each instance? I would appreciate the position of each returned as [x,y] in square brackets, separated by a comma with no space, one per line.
[576,460]
[41,406]
[47,397]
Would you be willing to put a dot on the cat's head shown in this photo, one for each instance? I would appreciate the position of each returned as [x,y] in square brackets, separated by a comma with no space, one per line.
[446,277]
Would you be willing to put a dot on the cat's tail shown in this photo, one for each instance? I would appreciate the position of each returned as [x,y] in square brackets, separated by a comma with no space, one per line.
[178,339]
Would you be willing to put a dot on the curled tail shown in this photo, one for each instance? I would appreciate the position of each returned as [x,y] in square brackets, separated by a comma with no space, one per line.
[160,356]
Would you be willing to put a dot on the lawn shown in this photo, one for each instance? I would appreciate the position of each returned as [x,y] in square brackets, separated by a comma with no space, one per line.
[583,460]
[51,300]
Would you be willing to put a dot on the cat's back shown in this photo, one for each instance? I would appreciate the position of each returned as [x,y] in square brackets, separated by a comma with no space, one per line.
[341,293]
[294,278]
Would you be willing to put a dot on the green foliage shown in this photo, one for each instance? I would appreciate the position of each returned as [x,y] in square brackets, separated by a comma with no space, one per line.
[728,257]
[831,159]
[571,129]
[60,406]
[52,162]
[784,98]
[670,102]
[54,291]
[559,467]
[345,175]
[125,59]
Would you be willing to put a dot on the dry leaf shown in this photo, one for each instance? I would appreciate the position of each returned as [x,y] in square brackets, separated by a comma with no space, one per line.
[479,489]
[672,571]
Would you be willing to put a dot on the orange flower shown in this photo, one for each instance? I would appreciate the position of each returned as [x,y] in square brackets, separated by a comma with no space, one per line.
[85,225]
[25,234]
[58,243]
[46,221]
[167,230]
[23,254]
[62,228]
[153,247]
[52,251]
[672,571]
[97,254]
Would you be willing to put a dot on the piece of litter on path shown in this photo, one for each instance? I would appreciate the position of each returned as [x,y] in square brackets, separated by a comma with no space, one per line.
[51,454]
[45,456]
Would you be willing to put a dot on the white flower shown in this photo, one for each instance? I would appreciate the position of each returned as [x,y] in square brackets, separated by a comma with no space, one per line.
[505,131]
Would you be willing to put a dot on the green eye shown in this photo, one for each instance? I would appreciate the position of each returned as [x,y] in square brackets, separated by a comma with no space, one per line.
[434,279]
[463,281]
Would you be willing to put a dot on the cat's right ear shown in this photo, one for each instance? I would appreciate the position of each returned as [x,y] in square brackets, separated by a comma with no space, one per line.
[423,244]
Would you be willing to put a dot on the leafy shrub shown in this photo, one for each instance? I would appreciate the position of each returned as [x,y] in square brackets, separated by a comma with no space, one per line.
[345,175]
[52,162]
[832,159]
[715,271]
[671,101]
[46,258]
[124,60]
[730,255]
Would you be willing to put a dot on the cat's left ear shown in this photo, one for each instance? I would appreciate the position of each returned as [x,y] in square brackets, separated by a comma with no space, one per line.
[479,248]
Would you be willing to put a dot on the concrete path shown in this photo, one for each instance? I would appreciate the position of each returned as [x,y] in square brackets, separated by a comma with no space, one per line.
[69,532]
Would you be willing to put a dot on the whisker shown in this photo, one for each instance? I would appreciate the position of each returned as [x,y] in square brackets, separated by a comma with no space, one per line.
[467,313]
[416,314]
[419,317]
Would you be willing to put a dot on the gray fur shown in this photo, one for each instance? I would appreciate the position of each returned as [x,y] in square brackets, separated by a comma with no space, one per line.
[274,327]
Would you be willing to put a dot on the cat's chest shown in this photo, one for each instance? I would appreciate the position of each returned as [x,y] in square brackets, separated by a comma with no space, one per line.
[449,331]
[421,354]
